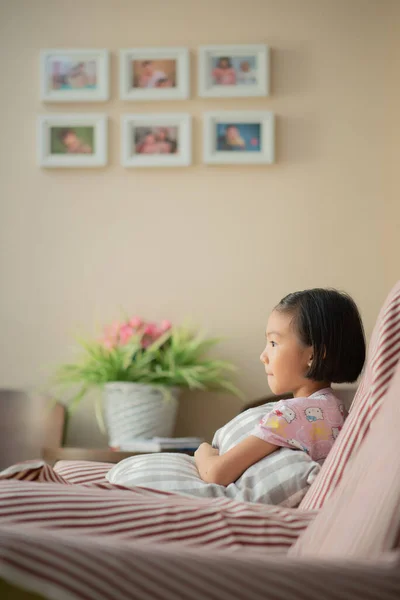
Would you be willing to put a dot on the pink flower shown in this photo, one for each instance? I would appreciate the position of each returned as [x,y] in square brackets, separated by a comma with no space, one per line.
[136,322]
[110,339]
[151,330]
[120,333]
[165,325]
[125,334]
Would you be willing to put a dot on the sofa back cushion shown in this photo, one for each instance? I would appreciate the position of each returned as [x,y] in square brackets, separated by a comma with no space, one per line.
[358,522]
[383,356]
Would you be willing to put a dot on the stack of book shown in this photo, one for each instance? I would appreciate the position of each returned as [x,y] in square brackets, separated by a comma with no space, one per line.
[158,444]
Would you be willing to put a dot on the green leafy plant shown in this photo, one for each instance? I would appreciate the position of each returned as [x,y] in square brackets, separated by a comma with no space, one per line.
[147,353]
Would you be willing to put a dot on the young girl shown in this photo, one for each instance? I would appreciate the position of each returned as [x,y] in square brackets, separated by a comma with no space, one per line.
[314,338]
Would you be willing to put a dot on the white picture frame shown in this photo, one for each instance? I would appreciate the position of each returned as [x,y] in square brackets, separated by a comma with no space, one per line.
[169,80]
[74,75]
[252,143]
[140,131]
[83,137]
[241,69]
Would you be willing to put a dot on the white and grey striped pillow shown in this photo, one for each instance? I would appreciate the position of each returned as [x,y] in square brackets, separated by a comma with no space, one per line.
[239,427]
[281,478]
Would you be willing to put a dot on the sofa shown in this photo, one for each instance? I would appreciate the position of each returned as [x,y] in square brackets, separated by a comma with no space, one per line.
[68,534]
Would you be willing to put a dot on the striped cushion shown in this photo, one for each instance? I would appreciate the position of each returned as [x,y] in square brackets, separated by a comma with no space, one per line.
[240,427]
[383,356]
[356,521]
[281,478]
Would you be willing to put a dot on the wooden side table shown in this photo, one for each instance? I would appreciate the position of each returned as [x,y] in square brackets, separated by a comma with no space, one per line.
[53,450]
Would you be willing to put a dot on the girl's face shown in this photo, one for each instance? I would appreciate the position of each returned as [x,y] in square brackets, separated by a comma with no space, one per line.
[285,358]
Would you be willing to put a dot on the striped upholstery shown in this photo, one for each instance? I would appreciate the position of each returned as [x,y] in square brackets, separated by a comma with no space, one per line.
[73,568]
[383,356]
[108,510]
[82,471]
[33,470]
[356,521]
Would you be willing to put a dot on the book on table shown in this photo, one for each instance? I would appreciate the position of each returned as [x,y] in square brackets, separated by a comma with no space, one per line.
[157,444]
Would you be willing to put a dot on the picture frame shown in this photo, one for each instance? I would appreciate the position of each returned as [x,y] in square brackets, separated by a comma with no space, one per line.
[72,140]
[238,137]
[156,140]
[232,71]
[74,75]
[154,74]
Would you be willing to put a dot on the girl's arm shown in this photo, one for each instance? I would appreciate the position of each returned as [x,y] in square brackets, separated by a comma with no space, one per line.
[228,467]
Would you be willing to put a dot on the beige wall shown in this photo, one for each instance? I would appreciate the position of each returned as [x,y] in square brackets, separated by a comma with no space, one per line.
[220,245]
[392,119]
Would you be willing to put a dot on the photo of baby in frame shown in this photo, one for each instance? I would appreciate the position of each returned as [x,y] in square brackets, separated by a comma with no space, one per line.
[162,140]
[154,74]
[232,71]
[67,74]
[74,140]
[239,137]
[156,140]
[70,75]
[71,140]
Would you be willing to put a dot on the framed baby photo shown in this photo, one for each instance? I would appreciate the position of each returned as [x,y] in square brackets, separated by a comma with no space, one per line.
[240,137]
[154,74]
[162,140]
[75,140]
[74,75]
[233,71]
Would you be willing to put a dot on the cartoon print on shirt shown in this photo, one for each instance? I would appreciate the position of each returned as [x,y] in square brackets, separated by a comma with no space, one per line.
[336,431]
[297,445]
[314,414]
[287,413]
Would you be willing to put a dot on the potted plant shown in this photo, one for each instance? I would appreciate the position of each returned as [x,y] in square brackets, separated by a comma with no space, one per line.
[141,367]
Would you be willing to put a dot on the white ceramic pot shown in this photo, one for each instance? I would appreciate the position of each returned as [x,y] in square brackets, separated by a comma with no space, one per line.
[138,410]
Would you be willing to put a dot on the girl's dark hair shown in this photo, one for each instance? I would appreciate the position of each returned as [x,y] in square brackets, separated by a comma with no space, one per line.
[330,322]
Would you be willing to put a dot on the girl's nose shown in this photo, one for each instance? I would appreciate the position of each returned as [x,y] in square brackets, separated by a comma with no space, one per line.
[264,357]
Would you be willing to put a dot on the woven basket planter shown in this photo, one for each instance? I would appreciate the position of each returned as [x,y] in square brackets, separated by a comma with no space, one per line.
[138,410]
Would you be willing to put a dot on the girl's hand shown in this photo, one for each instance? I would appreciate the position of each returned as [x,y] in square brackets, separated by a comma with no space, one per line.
[224,469]
[204,457]
[204,451]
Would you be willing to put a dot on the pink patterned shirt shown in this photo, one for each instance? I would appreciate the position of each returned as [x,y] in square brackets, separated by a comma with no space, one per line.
[310,424]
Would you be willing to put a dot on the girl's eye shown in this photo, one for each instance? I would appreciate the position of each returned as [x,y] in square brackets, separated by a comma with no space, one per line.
[273,344]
